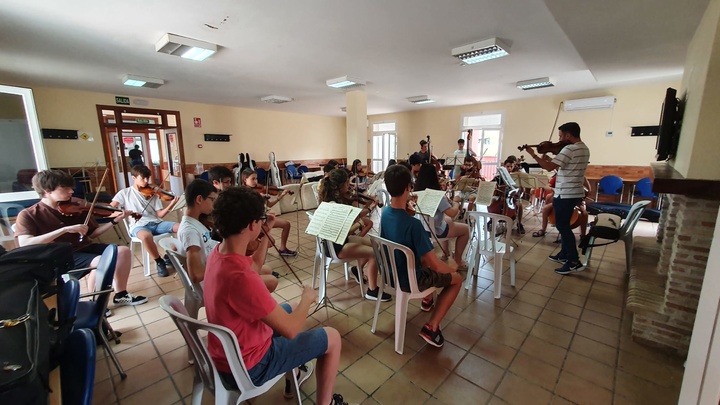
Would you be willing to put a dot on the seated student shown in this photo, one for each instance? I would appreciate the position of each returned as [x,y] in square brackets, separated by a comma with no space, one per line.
[43,223]
[445,227]
[249,179]
[152,212]
[400,227]
[510,166]
[415,161]
[269,335]
[336,186]
[221,177]
[359,177]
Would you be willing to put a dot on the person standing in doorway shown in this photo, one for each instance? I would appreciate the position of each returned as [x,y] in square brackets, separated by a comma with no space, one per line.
[136,156]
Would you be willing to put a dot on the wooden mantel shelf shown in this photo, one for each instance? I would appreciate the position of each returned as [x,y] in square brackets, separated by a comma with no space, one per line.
[667,180]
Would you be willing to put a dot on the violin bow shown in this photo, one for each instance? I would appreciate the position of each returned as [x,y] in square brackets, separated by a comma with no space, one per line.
[432,231]
[282,257]
[92,206]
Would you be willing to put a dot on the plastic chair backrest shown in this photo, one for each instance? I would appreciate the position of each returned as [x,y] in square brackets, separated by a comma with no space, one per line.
[104,274]
[261,174]
[175,252]
[633,217]
[386,258]
[291,171]
[5,212]
[303,169]
[205,175]
[314,187]
[68,301]
[77,364]
[610,185]
[487,225]
[643,188]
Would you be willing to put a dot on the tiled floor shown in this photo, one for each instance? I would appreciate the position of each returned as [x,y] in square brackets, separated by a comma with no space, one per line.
[549,340]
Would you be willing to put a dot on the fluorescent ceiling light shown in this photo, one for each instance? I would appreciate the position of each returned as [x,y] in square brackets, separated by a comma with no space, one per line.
[481,51]
[535,83]
[187,48]
[420,100]
[345,82]
[141,81]
[277,99]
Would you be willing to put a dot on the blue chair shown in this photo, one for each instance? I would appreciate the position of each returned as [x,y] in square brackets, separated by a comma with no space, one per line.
[610,185]
[77,368]
[205,176]
[292,173]
[91,314]
[643,189]
[68,303]
[303,169]
[261,174]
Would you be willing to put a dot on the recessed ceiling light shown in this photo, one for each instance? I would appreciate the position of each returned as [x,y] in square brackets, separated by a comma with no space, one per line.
[344,82]
[277,99]
[187,48]
[481,51]
[420,100]
[538,83]
[141,81]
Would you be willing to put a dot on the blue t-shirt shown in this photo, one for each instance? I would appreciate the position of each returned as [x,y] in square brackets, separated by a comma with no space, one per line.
[399,227]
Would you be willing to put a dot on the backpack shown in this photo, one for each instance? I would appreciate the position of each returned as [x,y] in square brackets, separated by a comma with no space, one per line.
[44,263]
[605,226]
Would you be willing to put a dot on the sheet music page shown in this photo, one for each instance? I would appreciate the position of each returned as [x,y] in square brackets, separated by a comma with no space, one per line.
[485,192]
[349,220]
[338,222]
[428,201]
[318,219]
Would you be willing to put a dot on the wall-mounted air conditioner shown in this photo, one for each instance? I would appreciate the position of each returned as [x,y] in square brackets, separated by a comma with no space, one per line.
[589,103]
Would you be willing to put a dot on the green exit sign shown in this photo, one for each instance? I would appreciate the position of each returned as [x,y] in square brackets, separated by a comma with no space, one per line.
[141,121]
[122,100]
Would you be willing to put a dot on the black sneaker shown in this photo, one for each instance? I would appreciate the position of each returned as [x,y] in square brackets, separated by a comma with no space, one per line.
[128,299]
[304,372]
[427,304]
[162,270]
[433,337]
[557,258]
[356,275]
[373,295]
[337,399]
[570,267]
[521,229]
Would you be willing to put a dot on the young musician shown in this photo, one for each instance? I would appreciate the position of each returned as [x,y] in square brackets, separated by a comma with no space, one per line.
[400,227]
[221,177]
[152,212]
[415,160]
[269,334]
[359,176]
[509,164]
[336,185]
[547,209]
[461,150]
[424,153]
[571,163]
[249,179]
[43,223]
[445,227]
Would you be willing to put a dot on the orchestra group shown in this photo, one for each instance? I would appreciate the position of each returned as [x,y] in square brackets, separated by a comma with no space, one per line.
[225,234]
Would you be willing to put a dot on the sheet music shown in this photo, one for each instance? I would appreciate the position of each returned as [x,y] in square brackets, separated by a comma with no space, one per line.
[505,176]
[428,201]
[485,192]
[465,184]
[332,221]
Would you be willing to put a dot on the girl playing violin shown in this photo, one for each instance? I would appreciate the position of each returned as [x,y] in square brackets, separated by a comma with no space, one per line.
[335,186]
[359,176]
[249,179]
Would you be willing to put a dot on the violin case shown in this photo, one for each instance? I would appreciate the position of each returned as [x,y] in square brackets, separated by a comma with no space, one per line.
[620,210]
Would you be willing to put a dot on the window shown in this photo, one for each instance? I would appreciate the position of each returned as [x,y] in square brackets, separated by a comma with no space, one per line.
[486,140]
[384,145]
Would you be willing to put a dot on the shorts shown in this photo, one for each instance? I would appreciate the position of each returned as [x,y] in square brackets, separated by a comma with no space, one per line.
[442,234]
[430,278]
[83,257]
[284,355]
[155,228]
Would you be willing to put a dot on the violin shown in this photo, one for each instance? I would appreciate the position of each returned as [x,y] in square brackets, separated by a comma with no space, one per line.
[547,147]
[411,205]
[150,191]
[271,190]
[75,206]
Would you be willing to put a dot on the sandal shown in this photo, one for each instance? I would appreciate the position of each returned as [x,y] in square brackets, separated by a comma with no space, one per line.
[539,233]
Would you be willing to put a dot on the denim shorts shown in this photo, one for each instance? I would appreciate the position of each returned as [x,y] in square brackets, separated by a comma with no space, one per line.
[285,354]
[155,228]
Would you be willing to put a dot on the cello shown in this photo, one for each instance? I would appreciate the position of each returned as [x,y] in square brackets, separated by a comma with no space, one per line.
[274,170]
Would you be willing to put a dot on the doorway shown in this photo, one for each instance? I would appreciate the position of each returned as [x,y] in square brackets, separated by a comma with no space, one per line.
[158,137]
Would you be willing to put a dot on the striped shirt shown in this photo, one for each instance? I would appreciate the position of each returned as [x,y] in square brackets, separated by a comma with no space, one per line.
[572,162]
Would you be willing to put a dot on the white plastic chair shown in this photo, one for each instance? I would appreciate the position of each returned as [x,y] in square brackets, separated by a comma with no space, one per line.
[486,243]
[206,375]
[145,254]
[193,291]
[625,233]
[5,212]
[388,276]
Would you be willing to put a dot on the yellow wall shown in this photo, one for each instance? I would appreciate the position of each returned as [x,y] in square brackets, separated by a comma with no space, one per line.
[699,144]
[290,136]
[530,121]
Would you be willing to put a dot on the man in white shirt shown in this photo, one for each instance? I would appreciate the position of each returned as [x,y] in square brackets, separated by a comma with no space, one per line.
[462,152]
[152,212]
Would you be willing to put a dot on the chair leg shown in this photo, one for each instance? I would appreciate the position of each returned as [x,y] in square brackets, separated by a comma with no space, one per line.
[362,285]
[628,254]
[198,388]
[401,305]
[498,274]
[290,375]
[377,308]
[512,269]
[111,353]
[591,240]
[146,261]
[346,271]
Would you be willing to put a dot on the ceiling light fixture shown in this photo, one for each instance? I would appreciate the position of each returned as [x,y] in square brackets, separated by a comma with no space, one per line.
[536,83]
[141,81]
[481,51]
[187,48]
[420,100]
[344,82]
[277,99]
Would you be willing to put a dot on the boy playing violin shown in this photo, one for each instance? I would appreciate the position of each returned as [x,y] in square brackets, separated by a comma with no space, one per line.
[43,223]
[152,212]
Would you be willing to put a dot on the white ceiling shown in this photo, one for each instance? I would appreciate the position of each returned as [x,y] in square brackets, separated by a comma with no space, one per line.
[290,48]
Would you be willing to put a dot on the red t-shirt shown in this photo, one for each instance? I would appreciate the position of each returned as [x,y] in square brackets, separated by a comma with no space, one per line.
[236,297]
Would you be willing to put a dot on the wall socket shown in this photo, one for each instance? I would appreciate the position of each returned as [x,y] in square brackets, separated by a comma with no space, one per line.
[609,134]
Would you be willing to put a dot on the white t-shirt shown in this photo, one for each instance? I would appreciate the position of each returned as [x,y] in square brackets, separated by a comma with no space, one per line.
[572,161]
[193,233]
[131,199]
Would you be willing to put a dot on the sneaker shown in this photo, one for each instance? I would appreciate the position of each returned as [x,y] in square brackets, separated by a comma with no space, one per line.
[373,295]
[521,229]
[570,267]
[128,299]
[557,258]
[337,399]
[162,270]
[167,261]
[427,303]
[304,372]
[288,252]
[433,337]
[356,274]
[275,274]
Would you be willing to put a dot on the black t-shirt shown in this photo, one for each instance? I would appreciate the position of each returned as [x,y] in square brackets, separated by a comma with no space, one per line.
[135,154]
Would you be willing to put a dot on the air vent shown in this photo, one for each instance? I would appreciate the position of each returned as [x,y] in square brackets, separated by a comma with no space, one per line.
[277,99]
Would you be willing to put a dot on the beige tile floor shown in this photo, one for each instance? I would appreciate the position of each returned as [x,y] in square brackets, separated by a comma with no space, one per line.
[549,340]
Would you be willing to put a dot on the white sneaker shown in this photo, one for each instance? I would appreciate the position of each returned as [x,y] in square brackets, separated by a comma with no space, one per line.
[303,373]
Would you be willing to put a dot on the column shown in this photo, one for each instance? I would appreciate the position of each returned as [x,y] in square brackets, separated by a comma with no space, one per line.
[356,126]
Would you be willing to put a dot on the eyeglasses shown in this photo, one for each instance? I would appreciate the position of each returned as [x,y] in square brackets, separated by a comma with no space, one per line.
[211,198]
[263,218]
